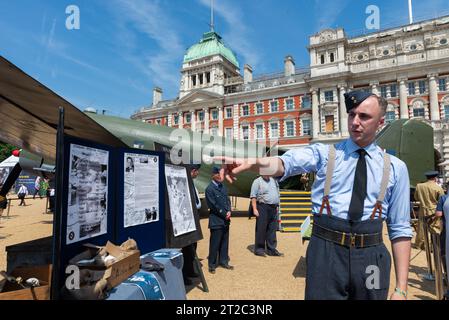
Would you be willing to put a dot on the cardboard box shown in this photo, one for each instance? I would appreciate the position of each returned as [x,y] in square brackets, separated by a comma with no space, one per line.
[126,264]
[12,291]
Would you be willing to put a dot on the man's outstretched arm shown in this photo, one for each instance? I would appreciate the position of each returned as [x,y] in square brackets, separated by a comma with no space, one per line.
[270,166]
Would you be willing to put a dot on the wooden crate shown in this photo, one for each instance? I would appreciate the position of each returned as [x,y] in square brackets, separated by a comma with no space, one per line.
[15,292]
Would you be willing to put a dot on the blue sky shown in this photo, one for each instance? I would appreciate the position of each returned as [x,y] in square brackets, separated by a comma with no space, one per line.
[126,47]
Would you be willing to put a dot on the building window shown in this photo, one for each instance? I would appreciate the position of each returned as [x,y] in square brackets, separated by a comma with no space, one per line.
[383,91]
[200,76]
[446,112]
[274,106]
[228,133]
[305,103]
[193,80]
[274,130]
[418,112]
[214,131]
[214,114]
[259,108]
[289,128]
[322,59]
[188,117]
[393,90]
[442,84]
[329,96]
[306,127]
[208,77]
[411,88]
[332,57]
[201,116]
[228,113]
[390,116]
[329,123]
[422,87]
[245,132]
[289,105]
[175,119]
[259,131]
[245,111]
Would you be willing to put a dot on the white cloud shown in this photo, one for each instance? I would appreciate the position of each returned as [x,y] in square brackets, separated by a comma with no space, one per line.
[237,37]
[149,19]
[328,12]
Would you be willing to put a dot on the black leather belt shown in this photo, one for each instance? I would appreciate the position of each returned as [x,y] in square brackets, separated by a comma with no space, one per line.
[267,204]
[347,239]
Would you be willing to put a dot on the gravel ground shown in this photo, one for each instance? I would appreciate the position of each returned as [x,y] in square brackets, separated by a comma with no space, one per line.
[270,278]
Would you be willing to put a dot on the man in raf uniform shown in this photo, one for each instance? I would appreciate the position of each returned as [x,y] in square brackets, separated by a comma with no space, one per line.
[427,193]
[265,202]
[357,186]
[219,220]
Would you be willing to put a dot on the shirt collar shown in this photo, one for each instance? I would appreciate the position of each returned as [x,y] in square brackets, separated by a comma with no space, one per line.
[217,184]
[351,147]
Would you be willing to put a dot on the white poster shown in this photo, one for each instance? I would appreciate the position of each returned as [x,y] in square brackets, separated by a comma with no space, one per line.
[141,190]
[88,193]
[4,172]
[179,198]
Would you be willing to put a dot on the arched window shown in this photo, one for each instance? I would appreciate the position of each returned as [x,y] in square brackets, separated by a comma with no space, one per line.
[332,57]
[322,59]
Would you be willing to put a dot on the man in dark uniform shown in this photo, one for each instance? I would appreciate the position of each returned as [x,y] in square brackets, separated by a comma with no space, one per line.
[357,186]
[219,220]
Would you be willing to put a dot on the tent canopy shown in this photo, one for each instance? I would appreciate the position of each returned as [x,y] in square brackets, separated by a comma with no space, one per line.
[10,162]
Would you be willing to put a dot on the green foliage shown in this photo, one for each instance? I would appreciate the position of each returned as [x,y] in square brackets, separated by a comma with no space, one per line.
[5,150]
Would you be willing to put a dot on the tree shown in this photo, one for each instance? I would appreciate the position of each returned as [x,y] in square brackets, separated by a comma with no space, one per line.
[6,150]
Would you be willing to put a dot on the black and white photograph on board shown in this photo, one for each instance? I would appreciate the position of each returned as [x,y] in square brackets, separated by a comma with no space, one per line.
[141,189]
[179,200]
[88,193]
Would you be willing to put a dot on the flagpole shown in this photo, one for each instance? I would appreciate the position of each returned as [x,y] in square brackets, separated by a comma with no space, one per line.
[410,11]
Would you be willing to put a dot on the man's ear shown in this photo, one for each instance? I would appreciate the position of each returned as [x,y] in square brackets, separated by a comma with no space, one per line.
[382,121]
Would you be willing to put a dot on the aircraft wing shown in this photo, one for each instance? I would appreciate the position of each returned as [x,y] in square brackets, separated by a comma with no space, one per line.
[29,115]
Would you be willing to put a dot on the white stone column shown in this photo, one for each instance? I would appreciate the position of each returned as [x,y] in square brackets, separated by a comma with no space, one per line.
[343,114]
[235,122]
[206,120]
[433,98]
[169,120]
[220,121]
[180,120]
[403,105]
[374,88]
[315,115]
[192,120]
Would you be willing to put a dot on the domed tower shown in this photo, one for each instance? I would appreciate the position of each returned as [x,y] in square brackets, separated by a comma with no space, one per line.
[208,65]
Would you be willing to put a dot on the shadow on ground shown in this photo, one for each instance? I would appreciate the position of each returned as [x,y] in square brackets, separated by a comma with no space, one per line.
[300,269]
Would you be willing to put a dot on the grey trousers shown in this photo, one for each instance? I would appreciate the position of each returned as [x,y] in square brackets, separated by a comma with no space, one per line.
[336,272]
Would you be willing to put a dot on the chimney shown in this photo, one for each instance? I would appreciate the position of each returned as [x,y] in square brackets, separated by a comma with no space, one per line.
[289,66]
[247,74]
[157,95]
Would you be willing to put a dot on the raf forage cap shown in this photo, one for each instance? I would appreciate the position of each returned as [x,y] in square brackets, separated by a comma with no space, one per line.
[431,174]
[215,170]
[354,98]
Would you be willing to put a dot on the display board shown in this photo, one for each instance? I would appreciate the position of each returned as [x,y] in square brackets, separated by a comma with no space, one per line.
[182,222]
[141,200]
[88,198]
[110,194]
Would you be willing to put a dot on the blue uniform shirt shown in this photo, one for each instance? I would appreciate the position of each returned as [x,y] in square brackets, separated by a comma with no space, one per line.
[396,205]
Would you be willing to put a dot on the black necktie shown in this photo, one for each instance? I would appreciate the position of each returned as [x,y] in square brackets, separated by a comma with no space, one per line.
[359,189]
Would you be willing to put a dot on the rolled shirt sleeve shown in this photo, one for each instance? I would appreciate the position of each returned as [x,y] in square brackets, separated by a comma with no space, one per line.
[301,160]
[398,217]
[254,189]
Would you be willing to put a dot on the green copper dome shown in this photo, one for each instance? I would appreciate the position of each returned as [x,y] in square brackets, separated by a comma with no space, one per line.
[209,45]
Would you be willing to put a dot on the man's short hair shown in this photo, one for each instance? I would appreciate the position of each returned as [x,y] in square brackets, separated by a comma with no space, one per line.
[383,104]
